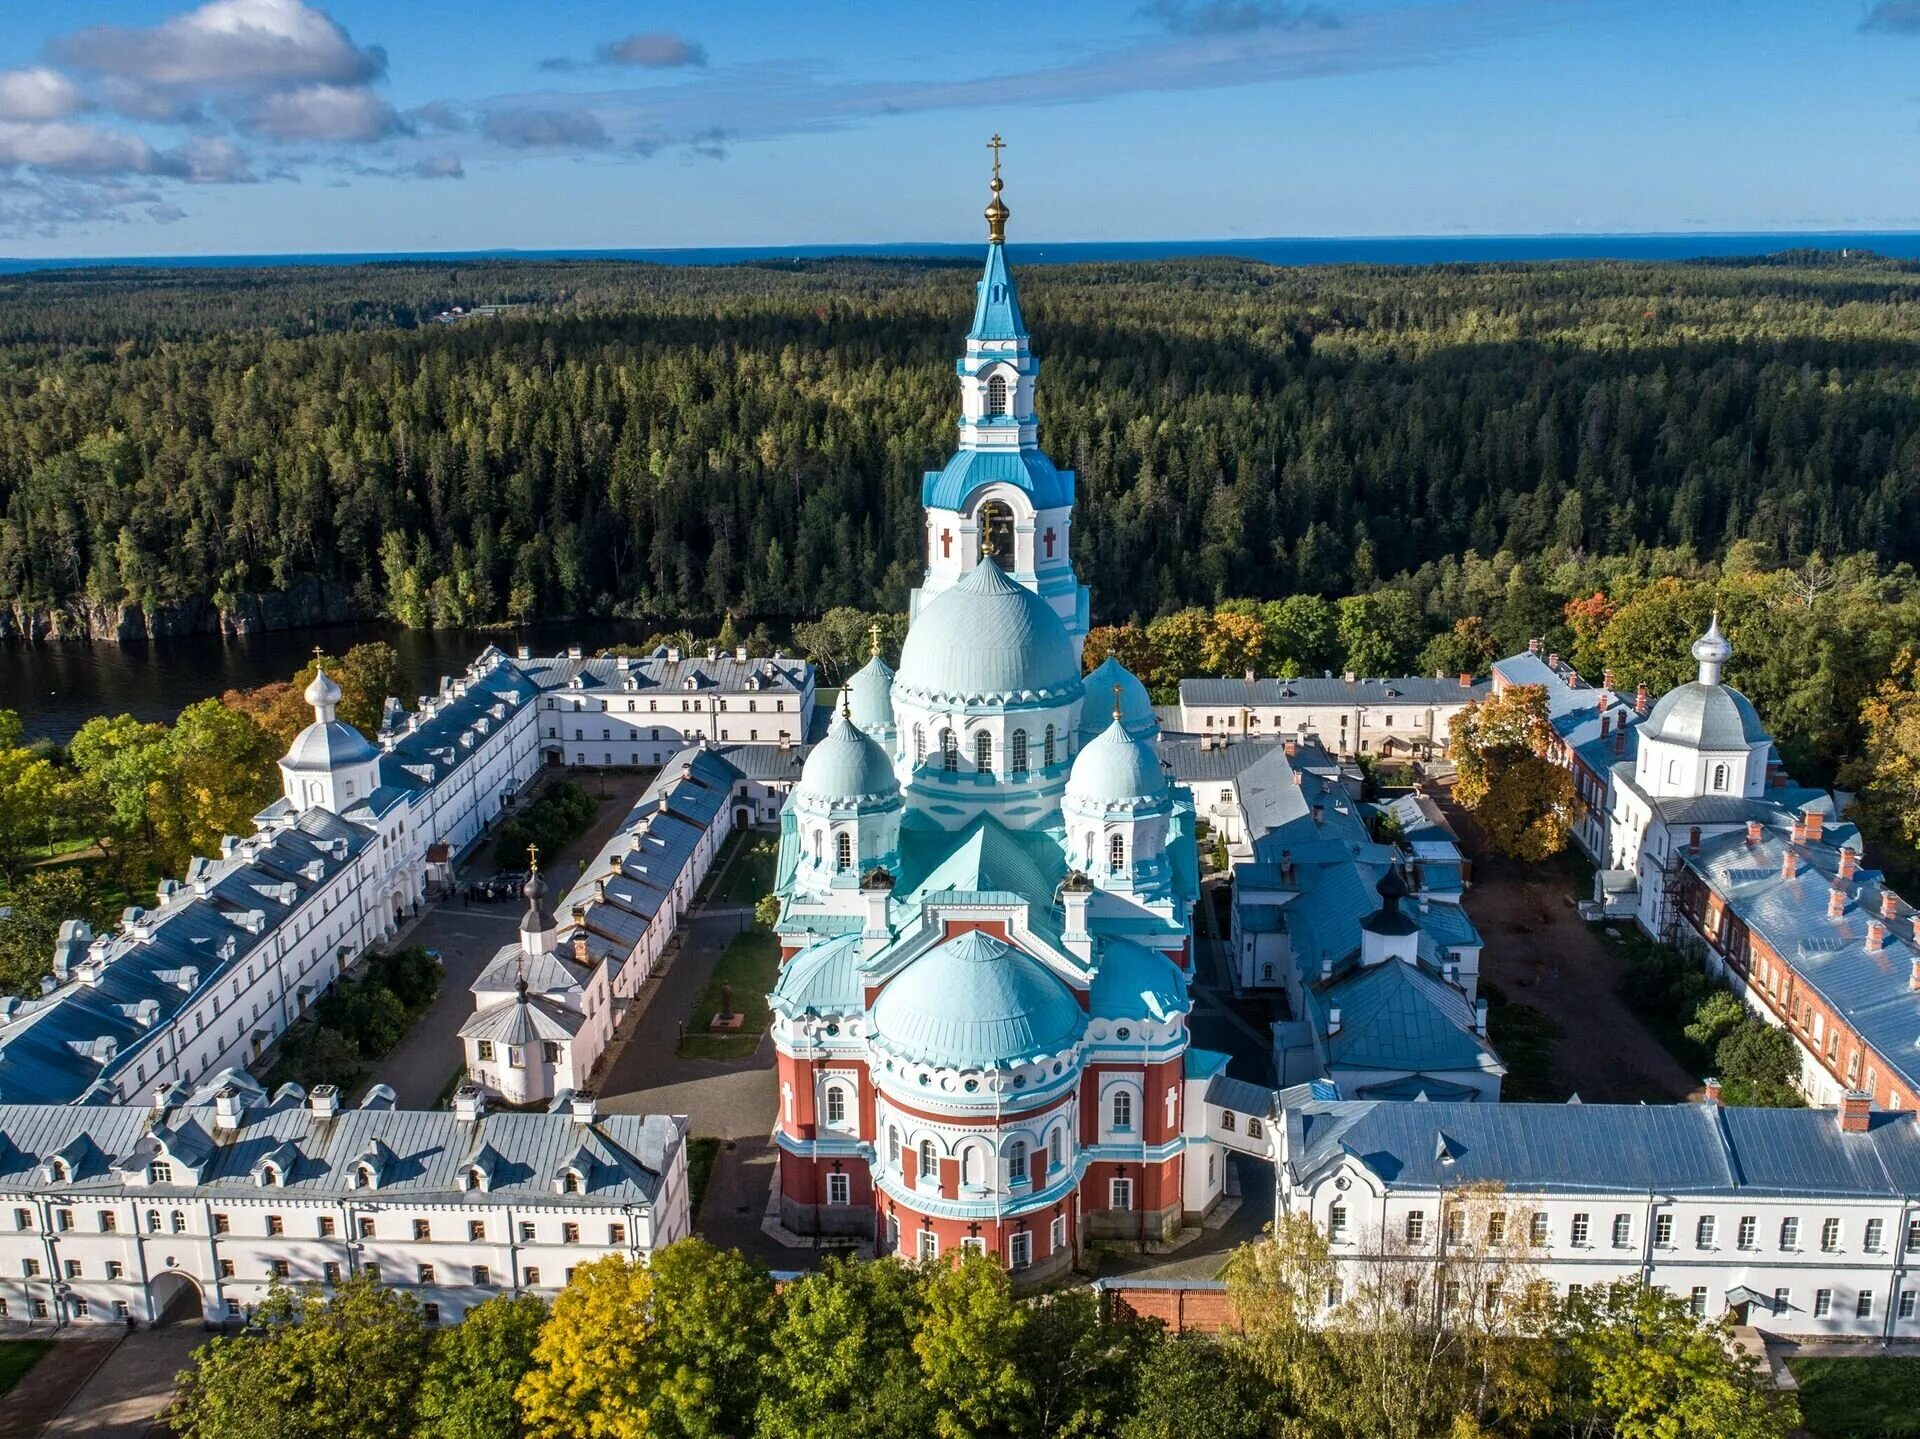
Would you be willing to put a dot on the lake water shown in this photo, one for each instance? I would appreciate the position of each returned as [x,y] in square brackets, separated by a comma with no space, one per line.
[1273,250]
[56,688]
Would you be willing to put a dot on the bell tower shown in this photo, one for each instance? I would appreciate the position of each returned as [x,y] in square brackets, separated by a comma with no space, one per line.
[1000,500]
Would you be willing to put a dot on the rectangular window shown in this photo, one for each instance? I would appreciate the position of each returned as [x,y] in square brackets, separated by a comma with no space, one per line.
[481,1276]
[327,1228]
[282,1269]
[1020,1250]
[1120,1194]
[226,1269]
[1057,1234]
[1455,1226]
[929,1244]
[483,1050]
[1577,1232]
[425,1274]
[221,1224]
[1416,1226]
[1907,1297]
[1863,1304]
[616,1234]
[73,1269]
[1623,1231]
[116,1270]
[372,1271]
[1703,1232]
[80,1306]
[1782,1300]
[1875,1232]
[1497,1227]
[1829,1236]
[526,1232]
[23,1219]
[1749,1231]
[839,1189]
[477,1230]
[1913,1236]
[366,1226]
[331,1269]
[533,1277]
[109,1221]
[430,1313]
[1663,1231]
[276,1225]
[422,1229]
[569,1234]
[1822,1303]
[1790,1232]
[1537,1231]
[1697,1302]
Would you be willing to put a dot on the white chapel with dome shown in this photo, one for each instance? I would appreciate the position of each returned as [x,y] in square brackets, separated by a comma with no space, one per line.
[987,880]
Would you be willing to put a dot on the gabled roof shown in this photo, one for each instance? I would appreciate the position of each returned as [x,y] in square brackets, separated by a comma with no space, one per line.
[1396,1016]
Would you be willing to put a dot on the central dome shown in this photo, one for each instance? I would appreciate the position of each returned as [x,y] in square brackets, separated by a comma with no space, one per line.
[1116,770]
[1705,717]
[988,638]
[976,1002]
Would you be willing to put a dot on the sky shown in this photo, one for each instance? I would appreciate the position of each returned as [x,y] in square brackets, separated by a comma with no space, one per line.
[144,127]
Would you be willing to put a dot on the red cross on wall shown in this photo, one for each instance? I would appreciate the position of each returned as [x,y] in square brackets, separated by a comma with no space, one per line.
[1048,537]
[946,544]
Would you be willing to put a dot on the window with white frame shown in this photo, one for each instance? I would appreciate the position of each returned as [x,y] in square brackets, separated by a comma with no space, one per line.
[928,1244]
[1020,1250]
[1790,1232]
[1056,1149]
[1057,1234]
[927,1160]
[836,1106]
[1623,1231]
[1663,1231]
[1697,1301]
[1822,1303]
[1119,1194]
[1907,1302]
[1416,1226]
[1829,1236]
[1748,1236]
[973,1244]
[1537,1230]
[1121,1108]
[1337,1222]
[1863,1304]
[1872,1236]
[1017,1161]
[839,1189]
[1577,1232]
[1703,1231]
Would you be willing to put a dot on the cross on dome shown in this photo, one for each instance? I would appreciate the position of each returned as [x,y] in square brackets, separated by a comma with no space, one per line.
[996,210]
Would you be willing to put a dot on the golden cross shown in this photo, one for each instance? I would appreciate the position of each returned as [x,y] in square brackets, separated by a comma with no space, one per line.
[996,144]
[873,635]
[316,652]
[533,859]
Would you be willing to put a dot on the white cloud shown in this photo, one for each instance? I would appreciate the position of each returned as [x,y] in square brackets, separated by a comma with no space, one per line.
[321,112]
[214,160]
[223,44]
[69,149]
[38,94]
[655,50]
[546,129]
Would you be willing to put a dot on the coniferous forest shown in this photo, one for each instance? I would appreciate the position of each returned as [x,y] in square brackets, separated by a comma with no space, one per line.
[677,442]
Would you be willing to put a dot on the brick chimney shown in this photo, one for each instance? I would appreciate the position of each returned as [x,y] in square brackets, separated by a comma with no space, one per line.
[1876,936]
[1291,748]
[1606,722]
[1800,830]
[1836,902]
[1914,922]
[1755,830]
[1790,864]
[1466,680]
[1606,679]
[1856,1112]
[1553,660]
[1913,973]
[1816,826]
[1641,703]
[1712,1095]
[1889,904]
[1600,699]
[1693,839]
[1849,863]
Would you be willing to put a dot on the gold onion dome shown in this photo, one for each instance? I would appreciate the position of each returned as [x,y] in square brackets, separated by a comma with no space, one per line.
[996,211]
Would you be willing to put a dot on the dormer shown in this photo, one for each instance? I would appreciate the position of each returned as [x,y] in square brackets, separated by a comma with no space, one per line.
[477,1176]
[68,1162]
[575,1175]
[372,1166]
[277,1166]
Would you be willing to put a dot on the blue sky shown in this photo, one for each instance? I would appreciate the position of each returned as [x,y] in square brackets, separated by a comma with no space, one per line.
[146,127]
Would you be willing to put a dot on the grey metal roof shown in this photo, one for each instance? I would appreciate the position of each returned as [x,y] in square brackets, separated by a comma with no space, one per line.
[1245,1098]
[1695,1149]
[423,1154]
[656,674]
[453,723]
[523,1021]
[1395,1016]
[1713,717]
[1332,690]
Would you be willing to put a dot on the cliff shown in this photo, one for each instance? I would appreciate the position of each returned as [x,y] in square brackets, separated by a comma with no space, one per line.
[310,602]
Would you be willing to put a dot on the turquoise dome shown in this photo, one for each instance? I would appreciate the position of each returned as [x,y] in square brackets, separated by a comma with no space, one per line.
[847,767]
[1136,706]
[1116,769]
[1134,982]
[824,977]
[870,695]
[988,637]
[976,1002]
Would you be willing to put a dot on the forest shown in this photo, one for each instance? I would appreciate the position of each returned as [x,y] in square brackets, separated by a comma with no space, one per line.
[677,442]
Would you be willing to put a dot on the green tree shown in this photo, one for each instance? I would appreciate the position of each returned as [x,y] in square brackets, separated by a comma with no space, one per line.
[1179,647]
[969,1348]
[1080,1366]
[37,906]
[595,1368]
[1467,648]
[841,640]
[223,774]
[1759,1065]
[1650,637]
[30,791]
[1380,633]
[319,1366]
[1190,1386]
[123,761]
[1640,1366]
[473,1367]
[1302,635]
[711,1308]
[1886,775]
[842,1364]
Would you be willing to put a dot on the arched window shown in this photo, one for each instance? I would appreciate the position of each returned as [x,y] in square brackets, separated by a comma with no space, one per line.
[926,1158]
[996,528]
[364,1177]
[572,1182]
[919,746]
[476,1180]
[997,395]
[1116,855]
[893,1146]
[153,1221]
[179,1221]
[58,1169]
[1719,776]
[1049,750]
[949,751]
[1018,764]
[1122,1109]
[843,850]
[1056,1149]
[1017,1160]
[836,1106]
[983,752]
[1089,850]
[970,1166]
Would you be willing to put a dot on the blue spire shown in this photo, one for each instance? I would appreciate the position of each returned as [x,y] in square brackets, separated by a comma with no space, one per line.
[996,313]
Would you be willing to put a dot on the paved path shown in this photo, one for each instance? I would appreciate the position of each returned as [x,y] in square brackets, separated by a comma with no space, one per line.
[129,1392]
[1540,953]
[468,937]
[45,1389]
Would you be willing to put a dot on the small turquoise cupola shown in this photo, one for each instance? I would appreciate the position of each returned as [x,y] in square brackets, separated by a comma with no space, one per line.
[1117,808]
[1136,705]
[870,695]
[845,811]
[1000,500]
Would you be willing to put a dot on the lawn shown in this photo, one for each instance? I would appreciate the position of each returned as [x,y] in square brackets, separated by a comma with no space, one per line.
[17,1356]
[701,1153]
[1524,1038]
[1876,1398]
[751,874]
[750,965]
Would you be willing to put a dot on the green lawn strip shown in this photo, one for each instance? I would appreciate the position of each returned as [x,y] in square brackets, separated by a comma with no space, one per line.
[17,1356]
[1870,1398]
[701,1154]
[751,875]
[751,965]
[1524,1039]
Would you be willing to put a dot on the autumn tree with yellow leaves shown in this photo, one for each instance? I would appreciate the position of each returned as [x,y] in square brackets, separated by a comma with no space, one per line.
[1522,801]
